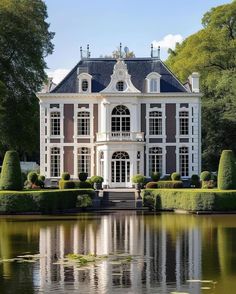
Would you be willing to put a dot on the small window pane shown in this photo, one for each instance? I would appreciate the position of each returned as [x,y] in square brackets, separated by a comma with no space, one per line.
[84,85]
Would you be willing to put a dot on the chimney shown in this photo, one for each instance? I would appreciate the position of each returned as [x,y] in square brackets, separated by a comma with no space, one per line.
[194,81]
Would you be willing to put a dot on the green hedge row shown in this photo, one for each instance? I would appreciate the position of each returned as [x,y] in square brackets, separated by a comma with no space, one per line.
[188,199]
[45,201]
[165,185]
[72,184]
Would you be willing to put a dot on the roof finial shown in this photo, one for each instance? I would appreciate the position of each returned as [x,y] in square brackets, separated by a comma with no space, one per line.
[151,50]
[88,53]
[81,52]
[120,50]
[159,52]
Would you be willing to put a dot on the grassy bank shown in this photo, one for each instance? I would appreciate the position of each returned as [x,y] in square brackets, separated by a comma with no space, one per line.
[44,201]
[190,199]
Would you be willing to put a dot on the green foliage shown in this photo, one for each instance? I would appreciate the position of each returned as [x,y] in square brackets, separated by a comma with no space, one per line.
[155,176]
[63,184]
[83,185]
[191,199]
[74,185]
[152,185]
[24,43]
[83,177]
[138,179]
[208,184]
[45,201]
[65,176]
[169,184]
[96,179]
[211,52]
[32,177]
[227,171]
[205,176]
[41,178]
[84,201]
[195,181]
[175,176]
[11,172]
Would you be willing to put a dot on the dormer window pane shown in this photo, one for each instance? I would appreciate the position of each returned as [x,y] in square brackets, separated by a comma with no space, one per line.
[153,85]
[84,85]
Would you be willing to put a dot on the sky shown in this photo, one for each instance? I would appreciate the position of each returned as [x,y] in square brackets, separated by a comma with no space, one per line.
[103,24]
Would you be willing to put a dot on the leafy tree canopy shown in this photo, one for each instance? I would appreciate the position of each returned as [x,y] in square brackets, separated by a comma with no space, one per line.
[212,52]
[25,41]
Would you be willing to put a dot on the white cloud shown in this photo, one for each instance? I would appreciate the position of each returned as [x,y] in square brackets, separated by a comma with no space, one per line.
[57,74]
[169,41]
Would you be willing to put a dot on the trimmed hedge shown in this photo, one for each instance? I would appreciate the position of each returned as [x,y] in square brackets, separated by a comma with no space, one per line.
[74,185]
[190,199]
[44,201]
[165,185]
[175,176]
[227,171]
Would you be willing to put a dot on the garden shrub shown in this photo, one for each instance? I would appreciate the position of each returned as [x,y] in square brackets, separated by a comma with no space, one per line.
[83,184]
[195,181]
[83,177]
[96,179]
[32,177]
[166,178]
[205,176]
[152,185]
[11,172]
[227,171]
[208,184]
[175,176]
[64,184]
[41,178]
[65,176]
[155,176]
[169,184]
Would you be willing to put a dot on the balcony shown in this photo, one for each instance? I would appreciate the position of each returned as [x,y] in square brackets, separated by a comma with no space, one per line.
[120,136]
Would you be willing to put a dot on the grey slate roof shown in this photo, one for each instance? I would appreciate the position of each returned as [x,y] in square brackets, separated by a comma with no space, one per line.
[101,70]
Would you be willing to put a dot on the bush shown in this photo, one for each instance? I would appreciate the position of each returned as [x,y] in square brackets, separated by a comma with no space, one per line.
[205,176]
[169,184]
[41,178]
[227,171]
[32,177]
[138,179]
[195,181]
[175,177]
[84,201]
[96,179]
[65,176]
[83,177]
[83,185]
[166,178]
[208,184]
[45,201]
[11,172]
[155,176]
[66,184]
[152,185]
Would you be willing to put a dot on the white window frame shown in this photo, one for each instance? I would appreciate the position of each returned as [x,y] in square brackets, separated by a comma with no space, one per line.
[151,122]
[153,81]
[84,158]
[53,123]
[156,153]
[84,123]
[82,77]
[184,161]
[184,123]
[55,157]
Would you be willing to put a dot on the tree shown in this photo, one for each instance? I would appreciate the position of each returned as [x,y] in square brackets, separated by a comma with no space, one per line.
[24,43]
[11,172]
[227,171]
[211,51]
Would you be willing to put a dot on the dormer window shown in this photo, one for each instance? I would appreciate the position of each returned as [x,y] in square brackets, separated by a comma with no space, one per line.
[153,82]
[84,83]
[120,86]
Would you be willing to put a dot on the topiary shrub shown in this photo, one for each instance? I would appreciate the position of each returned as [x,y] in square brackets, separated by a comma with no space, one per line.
[138,180]
[166,178]
[32,177]
[170,184]
[227,171]
[205,176]
[152,185]
[65,176]
[83,185]
[97,182]
[175,176]
[83,177]
[155,176]
[195,181]
[41,178]
[66,184]
[208,184]
[11,172]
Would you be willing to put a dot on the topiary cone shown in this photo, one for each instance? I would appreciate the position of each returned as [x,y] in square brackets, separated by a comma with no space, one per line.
[11,172]
[227,171]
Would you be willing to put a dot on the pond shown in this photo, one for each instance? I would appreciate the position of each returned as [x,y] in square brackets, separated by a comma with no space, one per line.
[133,253]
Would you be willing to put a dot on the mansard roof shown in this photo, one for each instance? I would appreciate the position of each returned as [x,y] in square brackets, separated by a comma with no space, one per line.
[101,70]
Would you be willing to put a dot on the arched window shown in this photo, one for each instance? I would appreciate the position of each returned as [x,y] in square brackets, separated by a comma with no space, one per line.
[184,161]
[155,123]
[84,85]
[120,167]
[153,82]
[153,85]
[183,123]
[83,123]
[120,119]
[55,162]
[84,160]
[120,155]
[155,160]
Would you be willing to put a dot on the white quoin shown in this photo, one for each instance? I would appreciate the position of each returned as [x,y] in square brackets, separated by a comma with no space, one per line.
[194,81]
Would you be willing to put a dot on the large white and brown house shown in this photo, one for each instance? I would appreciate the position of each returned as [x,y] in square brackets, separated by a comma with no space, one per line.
[118,118]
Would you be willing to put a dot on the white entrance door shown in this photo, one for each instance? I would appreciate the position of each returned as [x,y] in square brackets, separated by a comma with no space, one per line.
[120,170]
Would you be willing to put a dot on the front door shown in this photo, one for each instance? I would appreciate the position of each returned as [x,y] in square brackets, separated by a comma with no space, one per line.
[120,170]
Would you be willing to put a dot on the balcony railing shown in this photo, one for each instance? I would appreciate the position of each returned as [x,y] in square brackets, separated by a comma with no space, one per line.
[120,136]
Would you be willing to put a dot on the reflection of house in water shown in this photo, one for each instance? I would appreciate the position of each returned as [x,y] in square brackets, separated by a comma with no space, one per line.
[161,259]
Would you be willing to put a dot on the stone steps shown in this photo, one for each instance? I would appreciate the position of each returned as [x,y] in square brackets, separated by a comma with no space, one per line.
[120,199]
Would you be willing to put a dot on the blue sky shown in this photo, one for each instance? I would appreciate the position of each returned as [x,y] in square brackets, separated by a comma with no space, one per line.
[104,24]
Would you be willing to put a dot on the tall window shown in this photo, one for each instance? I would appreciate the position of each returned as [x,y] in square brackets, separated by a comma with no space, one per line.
[153,85]
[155,160]
[101,156]
[183,123]
[55,162]
[84,160]
[84,85]
[184,161]
[138,162]
[120,119]
[83,123]
[55,118]
[155,123]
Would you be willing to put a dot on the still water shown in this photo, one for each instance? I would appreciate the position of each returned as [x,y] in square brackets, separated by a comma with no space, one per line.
[165,252]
